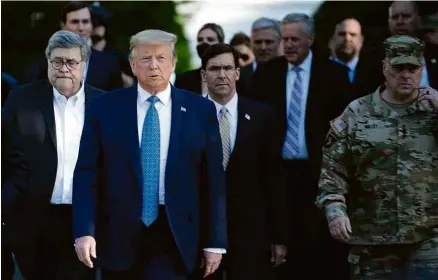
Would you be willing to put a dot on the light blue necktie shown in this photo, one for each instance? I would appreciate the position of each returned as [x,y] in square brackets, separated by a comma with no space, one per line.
[291,143]
[150,163]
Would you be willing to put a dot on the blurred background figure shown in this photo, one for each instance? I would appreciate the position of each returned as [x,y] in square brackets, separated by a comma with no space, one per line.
[346,48]
[403,18]
[209,34]
[266,37]
[266,43]
[242,44]
[429,28]
[99,39]
[103,69]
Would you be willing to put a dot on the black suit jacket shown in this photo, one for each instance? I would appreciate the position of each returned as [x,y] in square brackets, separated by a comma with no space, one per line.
[191,81]
[254,186]
[328,96]
[103,71]
[368,76]
[29,117]
[246,74]
[431,57]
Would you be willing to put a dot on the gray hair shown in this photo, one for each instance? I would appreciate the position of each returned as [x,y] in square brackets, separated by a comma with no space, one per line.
[68,40]
[265,23]
[298,17]
[152,36]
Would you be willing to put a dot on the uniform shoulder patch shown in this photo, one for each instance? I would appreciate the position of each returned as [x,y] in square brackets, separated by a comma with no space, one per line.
[338,125]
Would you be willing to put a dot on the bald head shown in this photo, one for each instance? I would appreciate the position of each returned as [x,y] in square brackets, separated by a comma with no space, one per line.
[347,39]
[403,18]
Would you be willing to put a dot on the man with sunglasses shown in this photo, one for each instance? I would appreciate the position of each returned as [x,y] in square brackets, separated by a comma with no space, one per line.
[45,119]
[378,184]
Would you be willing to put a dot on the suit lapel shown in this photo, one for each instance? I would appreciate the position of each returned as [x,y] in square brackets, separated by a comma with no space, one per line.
[177,115]
[129,120]
[48,111]
[243,126]
[282,88]
[90,94]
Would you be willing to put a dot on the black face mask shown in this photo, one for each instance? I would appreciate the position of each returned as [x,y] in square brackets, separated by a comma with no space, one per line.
[201,49]
[96,38]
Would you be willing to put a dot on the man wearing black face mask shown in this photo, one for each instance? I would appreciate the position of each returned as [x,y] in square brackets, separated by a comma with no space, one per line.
[99,39]
[209,34]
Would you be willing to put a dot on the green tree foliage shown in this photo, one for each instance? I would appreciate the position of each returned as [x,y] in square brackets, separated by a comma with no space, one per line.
[27,26]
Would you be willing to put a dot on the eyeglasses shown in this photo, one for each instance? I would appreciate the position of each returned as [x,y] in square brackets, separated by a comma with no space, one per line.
[71,64]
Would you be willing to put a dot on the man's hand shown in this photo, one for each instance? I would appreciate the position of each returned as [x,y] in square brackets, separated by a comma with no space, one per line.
[429,94]
[278,254]
[85,247]
[211,262]
[340,229]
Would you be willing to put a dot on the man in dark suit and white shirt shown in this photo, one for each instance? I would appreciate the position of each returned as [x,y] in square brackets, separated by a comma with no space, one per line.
[46,120]
[256,194]
[306,92]
[265,40]
[364,71]
[103,69]
[149,186]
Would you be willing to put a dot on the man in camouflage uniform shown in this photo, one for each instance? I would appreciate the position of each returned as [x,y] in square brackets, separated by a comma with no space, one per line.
[383,152]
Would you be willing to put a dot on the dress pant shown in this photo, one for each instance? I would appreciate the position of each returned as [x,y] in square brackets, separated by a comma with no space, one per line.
[53,257]
[158,257]
[311,251]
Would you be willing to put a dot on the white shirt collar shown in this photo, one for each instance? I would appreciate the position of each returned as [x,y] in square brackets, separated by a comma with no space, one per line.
[163,96]
[231,106]
[305,65]
[77,98]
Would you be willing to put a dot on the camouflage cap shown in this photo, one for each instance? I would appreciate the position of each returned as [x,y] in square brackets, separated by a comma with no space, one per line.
[402,49]
[430,21]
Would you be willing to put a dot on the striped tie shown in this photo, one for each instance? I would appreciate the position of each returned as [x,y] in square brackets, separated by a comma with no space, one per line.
[150,163]
[224,127]
[291,143]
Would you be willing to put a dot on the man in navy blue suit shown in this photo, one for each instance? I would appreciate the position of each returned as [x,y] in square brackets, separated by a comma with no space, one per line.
[149,185]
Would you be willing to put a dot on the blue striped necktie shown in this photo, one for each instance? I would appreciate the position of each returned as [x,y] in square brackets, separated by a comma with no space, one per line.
[291,143]
[150,163]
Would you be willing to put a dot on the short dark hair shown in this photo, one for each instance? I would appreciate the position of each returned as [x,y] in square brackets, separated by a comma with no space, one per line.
[216,28]
[240,39]
[74,6]
[218,49]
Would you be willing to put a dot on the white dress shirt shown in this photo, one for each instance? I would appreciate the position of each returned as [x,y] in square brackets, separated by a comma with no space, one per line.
[164,108]
[69,122]
[306,67]
[232,110]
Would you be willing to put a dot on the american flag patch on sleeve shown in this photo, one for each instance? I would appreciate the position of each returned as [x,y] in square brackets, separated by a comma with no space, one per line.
[338,125]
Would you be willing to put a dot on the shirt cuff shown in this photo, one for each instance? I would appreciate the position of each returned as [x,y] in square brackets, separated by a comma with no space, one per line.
[334,210]
[216,250]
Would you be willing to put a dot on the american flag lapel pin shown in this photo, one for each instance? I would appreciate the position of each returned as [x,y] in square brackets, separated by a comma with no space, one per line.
[183,109]
[247,117]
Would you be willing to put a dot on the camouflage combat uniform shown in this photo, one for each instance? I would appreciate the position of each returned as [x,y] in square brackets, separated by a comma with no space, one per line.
[386,159]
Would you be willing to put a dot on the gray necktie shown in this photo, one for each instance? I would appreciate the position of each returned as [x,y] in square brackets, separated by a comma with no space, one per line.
[224,127]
